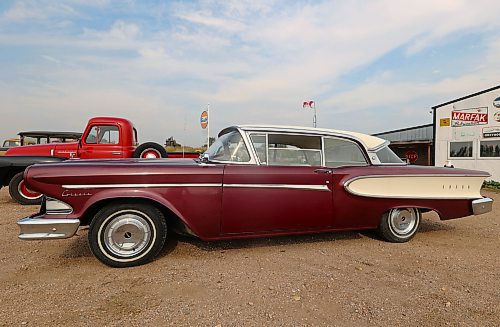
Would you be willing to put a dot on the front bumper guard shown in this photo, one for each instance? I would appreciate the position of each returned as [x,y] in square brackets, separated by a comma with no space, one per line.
[481,206]
[43,229]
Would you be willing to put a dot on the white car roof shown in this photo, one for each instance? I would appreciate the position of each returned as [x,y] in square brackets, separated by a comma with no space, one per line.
[370,142]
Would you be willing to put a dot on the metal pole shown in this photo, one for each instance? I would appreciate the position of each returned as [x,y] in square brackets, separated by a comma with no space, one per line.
[208,125]
[184,135]
[314,117]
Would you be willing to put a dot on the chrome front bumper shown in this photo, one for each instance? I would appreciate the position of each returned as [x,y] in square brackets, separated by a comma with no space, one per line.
[43,229]
[481,206]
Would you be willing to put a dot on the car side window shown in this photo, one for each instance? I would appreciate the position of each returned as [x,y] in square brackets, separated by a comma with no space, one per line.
[259,144]
[103,134]
[294,150]
[340,152]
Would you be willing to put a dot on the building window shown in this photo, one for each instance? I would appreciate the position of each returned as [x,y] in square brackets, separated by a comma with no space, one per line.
[489,149]
[461,149]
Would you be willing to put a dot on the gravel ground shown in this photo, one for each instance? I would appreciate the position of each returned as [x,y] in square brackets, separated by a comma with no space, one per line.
[449,274]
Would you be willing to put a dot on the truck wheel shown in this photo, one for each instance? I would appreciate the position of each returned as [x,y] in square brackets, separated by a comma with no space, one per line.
[150,150]
[20,193]
[127,234]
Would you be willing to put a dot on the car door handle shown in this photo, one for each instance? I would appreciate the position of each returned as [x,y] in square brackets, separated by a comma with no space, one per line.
[116,152]
[323,171]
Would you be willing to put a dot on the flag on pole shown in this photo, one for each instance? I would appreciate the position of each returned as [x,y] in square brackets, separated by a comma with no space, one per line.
[308,104]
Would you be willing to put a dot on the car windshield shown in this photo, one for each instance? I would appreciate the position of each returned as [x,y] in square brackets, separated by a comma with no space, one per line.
[229,147]
[385,155]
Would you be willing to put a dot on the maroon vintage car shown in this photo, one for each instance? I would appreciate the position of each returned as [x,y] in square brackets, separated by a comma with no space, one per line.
[253,181]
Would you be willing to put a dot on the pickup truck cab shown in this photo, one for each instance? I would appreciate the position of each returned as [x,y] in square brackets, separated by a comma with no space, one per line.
[104,137]
[9,143]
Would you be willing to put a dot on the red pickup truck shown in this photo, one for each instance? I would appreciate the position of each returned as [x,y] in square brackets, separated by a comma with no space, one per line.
[104,137]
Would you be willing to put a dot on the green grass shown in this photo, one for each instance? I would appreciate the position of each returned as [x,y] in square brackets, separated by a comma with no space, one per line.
[491,185]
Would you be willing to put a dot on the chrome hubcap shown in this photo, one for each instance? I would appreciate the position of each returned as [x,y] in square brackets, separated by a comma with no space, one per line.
[127,234]
[403,221]
[150,153]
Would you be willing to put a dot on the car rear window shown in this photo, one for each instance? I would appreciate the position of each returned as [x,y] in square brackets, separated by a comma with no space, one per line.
[340,152]
[385,155]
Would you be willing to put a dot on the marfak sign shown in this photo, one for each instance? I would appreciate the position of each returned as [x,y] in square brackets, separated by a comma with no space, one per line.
[469,117]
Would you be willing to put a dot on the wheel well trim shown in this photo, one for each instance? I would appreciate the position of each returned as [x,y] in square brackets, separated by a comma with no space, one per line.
[100,200]
[420,208]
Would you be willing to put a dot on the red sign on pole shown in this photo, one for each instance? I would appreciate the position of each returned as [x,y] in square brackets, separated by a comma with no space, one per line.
[411,155]
[204,119]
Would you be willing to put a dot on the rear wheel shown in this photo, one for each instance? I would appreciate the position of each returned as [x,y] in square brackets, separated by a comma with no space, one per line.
[22,194]
[127,234]
[150,150]
[399,224]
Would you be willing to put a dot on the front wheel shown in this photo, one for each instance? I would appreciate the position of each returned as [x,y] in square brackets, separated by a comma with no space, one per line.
[127,234]
[150,150]
[22,194]
[400,224]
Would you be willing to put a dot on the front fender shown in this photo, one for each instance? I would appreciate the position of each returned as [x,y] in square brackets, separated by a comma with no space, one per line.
[93,202]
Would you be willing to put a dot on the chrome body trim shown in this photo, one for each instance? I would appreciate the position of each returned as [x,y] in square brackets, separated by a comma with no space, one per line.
[57,207]
[402,164]
[372,156]
[204,164]
[412,175]
[282,186]
[42,229]
[92,186]
[481,206]
[248,143]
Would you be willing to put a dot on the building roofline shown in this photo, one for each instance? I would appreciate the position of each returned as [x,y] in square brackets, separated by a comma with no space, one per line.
[402,129]
[466,97]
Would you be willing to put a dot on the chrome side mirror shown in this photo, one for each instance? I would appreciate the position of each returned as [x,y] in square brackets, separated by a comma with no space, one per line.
[448,164]
[205,157]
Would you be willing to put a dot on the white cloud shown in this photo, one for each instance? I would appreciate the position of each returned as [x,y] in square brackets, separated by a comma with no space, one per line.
[52,59]
[37,10]
[120,31]
[208,20]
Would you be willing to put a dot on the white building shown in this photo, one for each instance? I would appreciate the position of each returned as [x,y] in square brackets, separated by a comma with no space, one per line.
[467,132]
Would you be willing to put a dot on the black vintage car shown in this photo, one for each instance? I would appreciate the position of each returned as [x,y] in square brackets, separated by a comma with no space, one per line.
[44,137]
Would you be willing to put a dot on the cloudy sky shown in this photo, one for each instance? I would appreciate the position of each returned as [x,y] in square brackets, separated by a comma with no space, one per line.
[371,66]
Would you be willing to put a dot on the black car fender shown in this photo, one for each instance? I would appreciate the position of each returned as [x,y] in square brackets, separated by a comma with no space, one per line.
[11,165]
